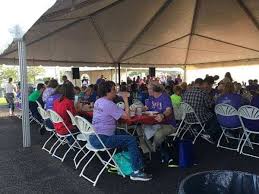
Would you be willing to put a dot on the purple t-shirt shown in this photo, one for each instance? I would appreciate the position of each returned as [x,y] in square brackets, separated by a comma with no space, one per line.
[50,101]
[160,104]
[105,115]
[234,100]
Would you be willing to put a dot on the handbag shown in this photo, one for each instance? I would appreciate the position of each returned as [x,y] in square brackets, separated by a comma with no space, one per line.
[123,161]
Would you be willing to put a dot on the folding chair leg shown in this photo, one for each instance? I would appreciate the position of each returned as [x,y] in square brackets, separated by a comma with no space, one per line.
[240,142]
[54,145]
[242,147]
[71,147]
[185,131]
[44,146]
[218,145]
[202,129]
[54,153]
[85,154]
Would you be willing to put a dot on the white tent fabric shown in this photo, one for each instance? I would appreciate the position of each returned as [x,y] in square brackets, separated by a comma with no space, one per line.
[142,32]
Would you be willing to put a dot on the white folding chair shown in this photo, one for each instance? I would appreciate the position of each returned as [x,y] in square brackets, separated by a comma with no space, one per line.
[19,115]
[44,114]
[56,118]
[79,137]
[249,113]
[186,125]
[227,111]
[72,118]
[87,129]
[39,104]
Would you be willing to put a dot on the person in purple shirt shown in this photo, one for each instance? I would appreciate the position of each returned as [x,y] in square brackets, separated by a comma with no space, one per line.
[105,115]
[50,100]
[253,124]
[160,101]
[236,100]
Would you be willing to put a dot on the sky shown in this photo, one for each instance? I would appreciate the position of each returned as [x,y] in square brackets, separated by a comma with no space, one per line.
[21,12]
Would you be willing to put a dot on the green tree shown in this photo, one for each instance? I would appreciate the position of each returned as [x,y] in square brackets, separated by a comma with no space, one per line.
[33,72]
[7,72]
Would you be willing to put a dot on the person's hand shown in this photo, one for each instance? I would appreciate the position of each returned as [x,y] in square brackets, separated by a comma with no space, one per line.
[159,118]
[125,95]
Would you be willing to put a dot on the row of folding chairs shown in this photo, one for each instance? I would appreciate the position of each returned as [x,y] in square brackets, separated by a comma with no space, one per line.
[246,112]
[31,117]
[72,140]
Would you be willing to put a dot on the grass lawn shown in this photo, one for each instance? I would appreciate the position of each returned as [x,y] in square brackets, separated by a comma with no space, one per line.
[3,101]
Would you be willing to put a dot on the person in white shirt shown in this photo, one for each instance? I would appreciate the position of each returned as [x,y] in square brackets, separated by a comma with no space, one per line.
[10,89]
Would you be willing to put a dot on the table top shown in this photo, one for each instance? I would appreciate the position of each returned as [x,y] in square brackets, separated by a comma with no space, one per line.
[143,119]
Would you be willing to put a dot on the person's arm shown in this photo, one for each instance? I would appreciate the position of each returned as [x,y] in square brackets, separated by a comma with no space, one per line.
[72,108]
[125,96]
[160,117]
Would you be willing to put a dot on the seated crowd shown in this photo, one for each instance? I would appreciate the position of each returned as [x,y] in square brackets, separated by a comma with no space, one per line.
[164,97]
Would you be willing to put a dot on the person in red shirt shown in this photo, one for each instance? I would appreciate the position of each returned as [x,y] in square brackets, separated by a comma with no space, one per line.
[66,102]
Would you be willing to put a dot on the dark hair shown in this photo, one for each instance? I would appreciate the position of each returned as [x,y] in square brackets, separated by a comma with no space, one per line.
[158,88]
[67,90]
[10,80]
[40,86]
[57,91]
[46,82]
[123,88]
[53,83]
[64,77]
[178,88]
[105,88]
[228,75]
[209,79]
[198,81]
[77,88]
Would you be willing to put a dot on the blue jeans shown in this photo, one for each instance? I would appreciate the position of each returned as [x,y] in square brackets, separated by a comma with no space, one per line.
[121,140]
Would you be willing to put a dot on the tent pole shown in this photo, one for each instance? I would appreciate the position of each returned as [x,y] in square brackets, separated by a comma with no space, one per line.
[119,73]
[115,72]
[185,73]
[24,89]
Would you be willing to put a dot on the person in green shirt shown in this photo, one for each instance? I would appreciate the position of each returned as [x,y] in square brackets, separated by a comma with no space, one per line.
[34,96]
[176,100]
[176,97]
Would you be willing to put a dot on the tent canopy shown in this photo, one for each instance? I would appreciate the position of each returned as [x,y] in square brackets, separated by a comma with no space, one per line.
[142,32]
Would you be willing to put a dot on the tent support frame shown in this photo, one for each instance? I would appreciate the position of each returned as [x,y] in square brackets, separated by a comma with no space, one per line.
[248,13]
[24,87]
[210,38]
[145,28]
[100,36]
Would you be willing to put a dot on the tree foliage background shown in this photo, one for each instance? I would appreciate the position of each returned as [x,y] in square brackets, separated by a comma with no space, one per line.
[12,71]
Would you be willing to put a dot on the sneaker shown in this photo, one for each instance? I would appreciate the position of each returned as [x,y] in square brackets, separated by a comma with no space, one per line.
[172,164]
[140,176]
[208,138]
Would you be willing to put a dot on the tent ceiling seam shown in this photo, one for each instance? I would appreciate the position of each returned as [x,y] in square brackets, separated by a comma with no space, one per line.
[248,13]
[155,47]
[240,46]
[101,38]
[66,26]
[193,25]
[145,28]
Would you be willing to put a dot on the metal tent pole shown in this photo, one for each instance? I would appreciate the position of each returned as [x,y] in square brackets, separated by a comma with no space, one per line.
[24,89]
[185,73]
[119,73]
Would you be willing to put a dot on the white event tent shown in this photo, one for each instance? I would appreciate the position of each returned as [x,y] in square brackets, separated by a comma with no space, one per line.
[138,33]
